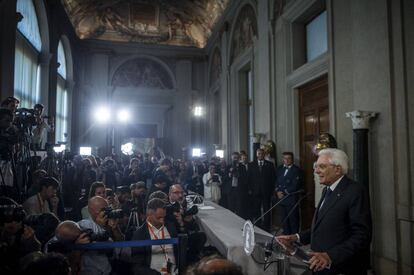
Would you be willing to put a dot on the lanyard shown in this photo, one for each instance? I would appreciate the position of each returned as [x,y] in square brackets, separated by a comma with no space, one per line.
[156,237]
[41,203]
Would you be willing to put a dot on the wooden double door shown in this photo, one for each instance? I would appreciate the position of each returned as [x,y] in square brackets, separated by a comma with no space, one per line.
[314,120]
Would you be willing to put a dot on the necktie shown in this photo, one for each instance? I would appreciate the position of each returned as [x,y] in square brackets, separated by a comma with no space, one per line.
[326,196]
[260,165]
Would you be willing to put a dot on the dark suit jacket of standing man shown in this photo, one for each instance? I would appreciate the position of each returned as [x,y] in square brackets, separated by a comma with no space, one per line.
[238,194]
[261,184]
[342,228]
[292,182]
[141,256]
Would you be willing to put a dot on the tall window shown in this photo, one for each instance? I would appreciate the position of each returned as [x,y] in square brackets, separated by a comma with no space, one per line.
[28,46]
[61,98]
[316,37]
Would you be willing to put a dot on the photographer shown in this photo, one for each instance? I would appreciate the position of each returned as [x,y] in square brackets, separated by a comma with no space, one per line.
[236,184]
[137,201]
[42,127]
[16,239]
[110,175]
[67,234]
[11,103]
[50,162]
[212,182]
[46,200]
[7,140]
[97,262]
[183,218]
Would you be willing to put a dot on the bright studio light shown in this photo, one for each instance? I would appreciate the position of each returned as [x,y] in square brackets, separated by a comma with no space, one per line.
[85,151]
[220,153]
[196,152]
[198,111]
[123,116]
[59,149]
[102,114]
[127,149]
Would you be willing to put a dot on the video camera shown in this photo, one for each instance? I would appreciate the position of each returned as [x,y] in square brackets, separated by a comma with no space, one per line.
[25,118]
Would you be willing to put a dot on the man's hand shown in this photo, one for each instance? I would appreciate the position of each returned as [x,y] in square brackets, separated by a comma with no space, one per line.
[188,218]
[28,233]
[179,218]
[54,201]
[319,261]
[279,195]
[113,224]
[83,238]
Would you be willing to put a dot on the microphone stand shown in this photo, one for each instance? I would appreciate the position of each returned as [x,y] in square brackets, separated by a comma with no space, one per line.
[276,204]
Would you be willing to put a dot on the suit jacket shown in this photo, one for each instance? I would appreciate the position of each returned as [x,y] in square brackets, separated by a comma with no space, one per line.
[141,256]
[241,174]
[261,182]
[292,182]
[342,228]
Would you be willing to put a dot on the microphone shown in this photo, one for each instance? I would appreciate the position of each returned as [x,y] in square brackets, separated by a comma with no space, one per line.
[300,191]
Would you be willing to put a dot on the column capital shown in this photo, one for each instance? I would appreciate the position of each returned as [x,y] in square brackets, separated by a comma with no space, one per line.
[360,119]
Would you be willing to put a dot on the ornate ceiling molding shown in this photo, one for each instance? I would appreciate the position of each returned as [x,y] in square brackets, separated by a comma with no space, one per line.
[170,22]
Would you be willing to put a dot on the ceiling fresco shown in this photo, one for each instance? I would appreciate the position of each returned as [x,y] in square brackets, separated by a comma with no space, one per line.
[170,22]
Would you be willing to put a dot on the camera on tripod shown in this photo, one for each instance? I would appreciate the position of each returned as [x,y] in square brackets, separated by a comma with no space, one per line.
[25,118]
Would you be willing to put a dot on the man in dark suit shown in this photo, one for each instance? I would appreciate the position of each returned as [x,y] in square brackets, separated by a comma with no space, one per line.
[155,259]
[261,181]
[237,184]
[289,179]
[341,229]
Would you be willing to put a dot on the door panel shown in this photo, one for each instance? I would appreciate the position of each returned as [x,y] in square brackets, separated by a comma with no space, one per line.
[314,120]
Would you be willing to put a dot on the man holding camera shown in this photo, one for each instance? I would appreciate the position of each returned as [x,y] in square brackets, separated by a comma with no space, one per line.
[97,262]
[6,148]
[237,185]
[42,127]
[16,239]
[184,221]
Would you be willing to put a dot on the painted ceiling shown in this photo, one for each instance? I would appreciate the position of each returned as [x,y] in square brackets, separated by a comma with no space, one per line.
[170,22]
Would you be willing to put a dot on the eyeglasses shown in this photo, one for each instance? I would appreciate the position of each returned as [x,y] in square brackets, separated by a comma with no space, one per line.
[323,166]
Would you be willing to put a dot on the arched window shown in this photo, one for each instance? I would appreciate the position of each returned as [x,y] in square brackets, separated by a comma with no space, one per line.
[61,98]
[28,46]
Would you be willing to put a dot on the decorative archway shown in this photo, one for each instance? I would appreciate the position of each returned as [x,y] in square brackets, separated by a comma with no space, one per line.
[244,31]
[143,72]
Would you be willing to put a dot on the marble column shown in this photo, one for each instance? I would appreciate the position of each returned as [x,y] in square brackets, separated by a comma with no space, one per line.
[360,126]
